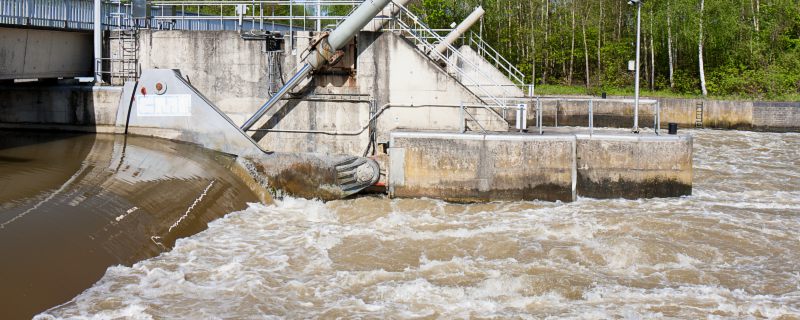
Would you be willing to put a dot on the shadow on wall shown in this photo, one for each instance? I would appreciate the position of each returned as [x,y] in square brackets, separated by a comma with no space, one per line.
[57,105]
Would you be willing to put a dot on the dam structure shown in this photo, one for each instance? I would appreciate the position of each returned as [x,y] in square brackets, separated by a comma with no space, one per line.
[325,105]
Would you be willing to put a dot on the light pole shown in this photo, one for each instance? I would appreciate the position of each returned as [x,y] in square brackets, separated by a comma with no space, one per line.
[638,4]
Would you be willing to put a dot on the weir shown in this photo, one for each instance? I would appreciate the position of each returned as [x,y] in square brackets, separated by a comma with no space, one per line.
[380,100]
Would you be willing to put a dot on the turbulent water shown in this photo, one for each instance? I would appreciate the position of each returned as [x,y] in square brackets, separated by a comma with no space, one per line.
[731,250]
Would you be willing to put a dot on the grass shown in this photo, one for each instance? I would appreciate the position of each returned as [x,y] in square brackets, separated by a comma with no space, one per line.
[562,90]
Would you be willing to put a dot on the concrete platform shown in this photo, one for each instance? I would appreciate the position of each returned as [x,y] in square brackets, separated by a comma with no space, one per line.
[561,164]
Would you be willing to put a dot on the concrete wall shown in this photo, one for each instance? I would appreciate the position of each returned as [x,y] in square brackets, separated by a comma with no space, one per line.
[473,167]
[717,114]
[634,166]
[31,53]
[65,107]
[379,67]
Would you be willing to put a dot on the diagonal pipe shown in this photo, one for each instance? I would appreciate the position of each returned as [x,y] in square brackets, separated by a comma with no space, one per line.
[324,52]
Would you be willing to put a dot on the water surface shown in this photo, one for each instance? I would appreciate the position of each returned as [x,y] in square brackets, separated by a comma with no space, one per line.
[72,205]
[731,250]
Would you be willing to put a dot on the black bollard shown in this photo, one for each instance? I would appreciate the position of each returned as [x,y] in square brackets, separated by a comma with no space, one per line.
[604,95]
[673,128]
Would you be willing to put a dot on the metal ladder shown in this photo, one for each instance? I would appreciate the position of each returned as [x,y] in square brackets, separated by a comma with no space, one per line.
[698,115]
[425,39]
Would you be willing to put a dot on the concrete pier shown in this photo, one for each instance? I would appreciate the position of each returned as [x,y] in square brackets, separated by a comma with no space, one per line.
[557,166]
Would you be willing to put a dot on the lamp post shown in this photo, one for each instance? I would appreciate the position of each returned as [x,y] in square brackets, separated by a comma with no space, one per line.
[638,4]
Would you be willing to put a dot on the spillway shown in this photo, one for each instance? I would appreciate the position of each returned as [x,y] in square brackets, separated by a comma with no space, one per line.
[729,250]
[72,205]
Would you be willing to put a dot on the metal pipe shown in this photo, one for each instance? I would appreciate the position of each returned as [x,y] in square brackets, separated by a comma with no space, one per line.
[387,13]
[353,24]
[98,41]
[636,85]
[473,17]
[327,46]
[304,71]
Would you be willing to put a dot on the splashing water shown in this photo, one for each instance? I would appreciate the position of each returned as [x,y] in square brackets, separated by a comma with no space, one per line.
[730,250]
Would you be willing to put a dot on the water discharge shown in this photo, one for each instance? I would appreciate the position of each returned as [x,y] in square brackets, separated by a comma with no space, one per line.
[72,205]
[730,250]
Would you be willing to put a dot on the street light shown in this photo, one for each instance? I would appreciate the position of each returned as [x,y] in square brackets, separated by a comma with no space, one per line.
[638,4]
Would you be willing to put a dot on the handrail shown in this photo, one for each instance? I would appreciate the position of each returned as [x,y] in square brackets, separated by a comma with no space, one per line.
[500,61]
[428,49]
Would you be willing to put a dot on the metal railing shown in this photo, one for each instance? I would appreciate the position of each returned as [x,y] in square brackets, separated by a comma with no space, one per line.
[61,14]
[426,39]
[495,58]
[590,104]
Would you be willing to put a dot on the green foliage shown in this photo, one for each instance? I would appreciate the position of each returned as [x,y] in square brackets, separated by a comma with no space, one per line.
[748,51]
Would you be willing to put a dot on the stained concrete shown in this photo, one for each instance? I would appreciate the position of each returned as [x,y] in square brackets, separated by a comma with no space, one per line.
[557,166]
[59,107]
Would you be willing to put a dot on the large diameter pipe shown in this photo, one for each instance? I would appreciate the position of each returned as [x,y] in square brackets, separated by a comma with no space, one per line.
[304,71]
[387,13]
[355,22]
[473,17]
[336,40]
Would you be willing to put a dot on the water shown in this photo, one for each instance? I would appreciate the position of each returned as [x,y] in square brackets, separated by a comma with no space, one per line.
[73,205]
[731,250]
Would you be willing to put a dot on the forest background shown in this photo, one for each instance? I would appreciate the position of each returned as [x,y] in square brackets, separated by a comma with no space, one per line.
[733,49]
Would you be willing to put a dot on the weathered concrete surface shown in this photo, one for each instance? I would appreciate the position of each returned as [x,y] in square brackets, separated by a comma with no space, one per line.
[31,53]
[776,116]
[230,72]
[473,167]
[628,166]
[378,67]
[59,107]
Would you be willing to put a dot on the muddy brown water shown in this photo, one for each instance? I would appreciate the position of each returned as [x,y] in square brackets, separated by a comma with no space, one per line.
[72,205]
[729,251]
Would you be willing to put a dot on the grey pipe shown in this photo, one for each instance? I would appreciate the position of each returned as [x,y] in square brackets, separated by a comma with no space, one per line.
[304,71]
[98,42]
[338,38]
[353,24]
[388,12]
[460,30]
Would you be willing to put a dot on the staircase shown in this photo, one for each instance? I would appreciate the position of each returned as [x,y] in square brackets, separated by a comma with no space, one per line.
[490,54]
[425,40]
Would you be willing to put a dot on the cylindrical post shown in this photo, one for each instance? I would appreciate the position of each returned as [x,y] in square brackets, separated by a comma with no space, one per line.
[319,14]
[636,85]
[462,118]
[539,114]
[591,116]
[98,41]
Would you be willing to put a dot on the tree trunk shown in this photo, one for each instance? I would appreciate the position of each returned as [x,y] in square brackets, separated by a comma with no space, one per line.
[700,51]
[546,45]
[599,70]
[756,10]
[669,47]
[572,46]
[652,55]
[585,48]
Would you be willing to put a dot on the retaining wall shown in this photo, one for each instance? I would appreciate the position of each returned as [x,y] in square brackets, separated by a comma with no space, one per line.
[475,167]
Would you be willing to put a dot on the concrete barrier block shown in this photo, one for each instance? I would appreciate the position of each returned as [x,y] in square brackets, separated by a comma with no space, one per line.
[475,167]
[626,166]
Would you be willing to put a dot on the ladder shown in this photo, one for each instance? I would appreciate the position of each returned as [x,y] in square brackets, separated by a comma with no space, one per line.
[698,115]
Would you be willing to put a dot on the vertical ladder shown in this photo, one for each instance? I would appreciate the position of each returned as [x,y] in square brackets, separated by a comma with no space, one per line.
[698,115]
